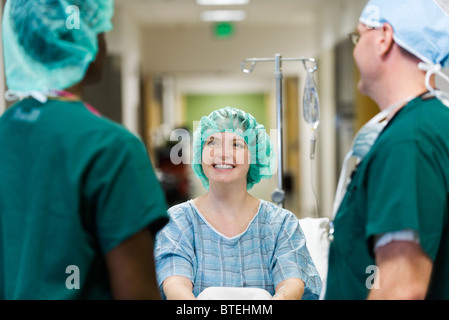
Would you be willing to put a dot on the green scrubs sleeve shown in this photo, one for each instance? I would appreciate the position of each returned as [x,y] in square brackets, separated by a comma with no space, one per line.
[418,204]
[126,191]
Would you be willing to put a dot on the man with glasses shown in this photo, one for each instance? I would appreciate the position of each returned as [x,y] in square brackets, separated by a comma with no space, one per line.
[389,233]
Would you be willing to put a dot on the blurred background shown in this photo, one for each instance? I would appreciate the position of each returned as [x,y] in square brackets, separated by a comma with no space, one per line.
[170,62]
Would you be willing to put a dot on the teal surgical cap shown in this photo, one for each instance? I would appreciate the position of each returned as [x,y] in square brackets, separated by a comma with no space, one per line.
[49,44]
[262,163]
[420,26]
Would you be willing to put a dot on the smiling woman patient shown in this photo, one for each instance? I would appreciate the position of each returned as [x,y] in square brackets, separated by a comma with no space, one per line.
[227,237]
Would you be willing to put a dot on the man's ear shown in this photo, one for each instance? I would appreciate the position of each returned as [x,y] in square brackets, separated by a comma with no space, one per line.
[387,40]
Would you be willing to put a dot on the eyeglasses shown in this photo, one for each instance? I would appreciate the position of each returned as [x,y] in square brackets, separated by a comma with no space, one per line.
[354,37]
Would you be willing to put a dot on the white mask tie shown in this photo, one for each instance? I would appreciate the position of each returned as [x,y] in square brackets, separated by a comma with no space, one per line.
[361,145]
[432,69]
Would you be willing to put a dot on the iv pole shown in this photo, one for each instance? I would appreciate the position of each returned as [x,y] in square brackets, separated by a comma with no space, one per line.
[278,195]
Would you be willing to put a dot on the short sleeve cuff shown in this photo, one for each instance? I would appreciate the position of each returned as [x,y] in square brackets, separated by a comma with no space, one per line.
[403,235]
[169,270]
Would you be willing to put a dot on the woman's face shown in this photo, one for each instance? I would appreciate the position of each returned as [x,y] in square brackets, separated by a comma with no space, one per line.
[225,158]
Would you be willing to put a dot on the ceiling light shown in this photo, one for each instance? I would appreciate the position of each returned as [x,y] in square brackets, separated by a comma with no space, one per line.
[221,2]
[223,15]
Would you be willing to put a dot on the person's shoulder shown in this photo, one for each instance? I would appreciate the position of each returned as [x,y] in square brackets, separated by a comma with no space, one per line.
[179,207]
[181,217]
[104,124]
[438,108]
[180,210]
[426,107]
[83,111]
[102,128]
[275,213]
[415,122]
[274,220]
[75,117]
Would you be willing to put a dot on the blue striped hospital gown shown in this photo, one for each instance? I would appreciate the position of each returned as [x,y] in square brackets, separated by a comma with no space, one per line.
[270,250]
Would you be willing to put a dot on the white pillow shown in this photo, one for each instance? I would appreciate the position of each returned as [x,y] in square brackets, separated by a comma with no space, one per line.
[315,231]
[233,293]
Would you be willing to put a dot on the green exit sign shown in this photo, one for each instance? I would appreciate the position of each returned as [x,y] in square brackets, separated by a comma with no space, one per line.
[223,30]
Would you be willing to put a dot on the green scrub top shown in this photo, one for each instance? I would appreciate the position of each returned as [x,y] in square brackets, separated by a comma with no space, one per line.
[72,187]
[403,183]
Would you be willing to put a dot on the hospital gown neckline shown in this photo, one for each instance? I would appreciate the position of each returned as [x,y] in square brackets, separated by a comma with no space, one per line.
[237,236]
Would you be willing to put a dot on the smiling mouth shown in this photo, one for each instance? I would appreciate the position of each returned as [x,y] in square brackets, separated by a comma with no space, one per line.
[224,166]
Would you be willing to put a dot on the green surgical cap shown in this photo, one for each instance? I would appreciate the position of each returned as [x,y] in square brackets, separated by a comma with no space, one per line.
[236,121]
[49,44]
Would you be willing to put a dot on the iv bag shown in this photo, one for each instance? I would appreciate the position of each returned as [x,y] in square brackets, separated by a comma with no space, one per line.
[310,103]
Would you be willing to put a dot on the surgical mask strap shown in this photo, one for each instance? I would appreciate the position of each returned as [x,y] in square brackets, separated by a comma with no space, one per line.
[378,119]
[12,95]
[432,69]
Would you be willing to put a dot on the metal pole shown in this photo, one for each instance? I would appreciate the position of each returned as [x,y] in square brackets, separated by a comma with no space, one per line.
[2,70]
[278,194]
[278,76]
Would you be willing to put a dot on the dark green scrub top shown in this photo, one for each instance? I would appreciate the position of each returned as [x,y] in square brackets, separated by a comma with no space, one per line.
[72,187]
[403,183]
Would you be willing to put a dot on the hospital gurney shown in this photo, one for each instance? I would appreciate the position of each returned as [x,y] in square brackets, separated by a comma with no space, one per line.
[315,229]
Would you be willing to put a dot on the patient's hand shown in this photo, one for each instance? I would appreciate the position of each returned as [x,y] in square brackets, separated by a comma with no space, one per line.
[178,288]
[289,289]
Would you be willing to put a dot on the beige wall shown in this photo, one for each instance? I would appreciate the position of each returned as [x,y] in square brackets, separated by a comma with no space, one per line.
[194,49]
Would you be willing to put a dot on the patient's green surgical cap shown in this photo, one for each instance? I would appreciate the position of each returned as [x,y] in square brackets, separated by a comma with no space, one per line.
[49,44]
[262,163]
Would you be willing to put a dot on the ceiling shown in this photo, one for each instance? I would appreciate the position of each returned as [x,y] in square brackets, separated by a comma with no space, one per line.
[187,12]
